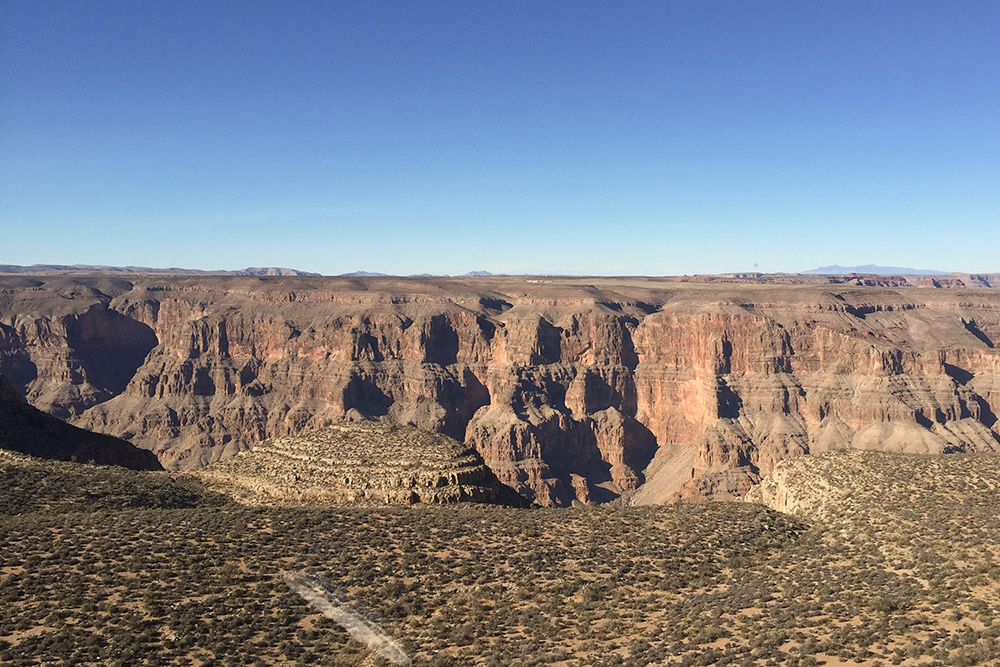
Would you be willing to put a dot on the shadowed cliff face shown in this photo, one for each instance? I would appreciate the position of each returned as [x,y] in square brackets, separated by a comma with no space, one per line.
[569,389]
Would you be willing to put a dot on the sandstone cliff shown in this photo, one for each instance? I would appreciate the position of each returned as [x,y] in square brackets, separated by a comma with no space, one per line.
[570,389]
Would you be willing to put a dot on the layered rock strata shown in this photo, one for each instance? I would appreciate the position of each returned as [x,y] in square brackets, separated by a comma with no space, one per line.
[570,389]
[359,463]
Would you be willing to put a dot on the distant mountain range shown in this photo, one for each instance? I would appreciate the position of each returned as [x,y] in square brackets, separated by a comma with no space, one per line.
[836,270]
[173,271]
[49,269]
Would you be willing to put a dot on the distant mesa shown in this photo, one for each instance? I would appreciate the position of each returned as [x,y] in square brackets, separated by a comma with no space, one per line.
[269,271]
[375,274]
[873,269]
[49,269]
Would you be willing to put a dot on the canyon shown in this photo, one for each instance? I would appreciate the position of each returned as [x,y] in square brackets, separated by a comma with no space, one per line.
[649,390]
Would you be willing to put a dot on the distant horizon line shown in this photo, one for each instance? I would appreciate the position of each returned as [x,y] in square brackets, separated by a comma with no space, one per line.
[273,271]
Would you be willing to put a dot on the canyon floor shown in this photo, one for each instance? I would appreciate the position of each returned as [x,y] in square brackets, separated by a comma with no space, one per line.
[886,559]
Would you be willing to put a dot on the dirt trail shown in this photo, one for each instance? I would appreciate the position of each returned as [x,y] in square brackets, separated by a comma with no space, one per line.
[323,600]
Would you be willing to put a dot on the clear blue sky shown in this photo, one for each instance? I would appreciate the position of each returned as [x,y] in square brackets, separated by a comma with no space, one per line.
[663,137]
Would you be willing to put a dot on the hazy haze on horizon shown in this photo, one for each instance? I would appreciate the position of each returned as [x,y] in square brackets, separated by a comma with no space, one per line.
[513,137]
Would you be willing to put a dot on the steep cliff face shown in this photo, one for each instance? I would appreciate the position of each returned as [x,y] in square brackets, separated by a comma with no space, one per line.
[569,390]
[758,382]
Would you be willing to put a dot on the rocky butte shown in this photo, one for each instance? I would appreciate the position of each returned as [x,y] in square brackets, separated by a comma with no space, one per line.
[583,389]
[363,463]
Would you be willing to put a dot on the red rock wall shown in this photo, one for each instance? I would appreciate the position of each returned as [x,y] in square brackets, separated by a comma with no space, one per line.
[568,390]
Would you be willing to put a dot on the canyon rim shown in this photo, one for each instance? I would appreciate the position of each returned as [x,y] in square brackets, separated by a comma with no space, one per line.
[571,389]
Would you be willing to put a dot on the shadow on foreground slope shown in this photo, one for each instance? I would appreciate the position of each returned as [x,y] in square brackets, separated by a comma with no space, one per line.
[30,431]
